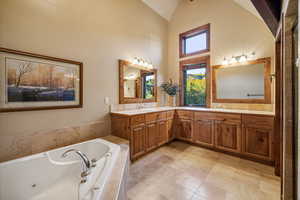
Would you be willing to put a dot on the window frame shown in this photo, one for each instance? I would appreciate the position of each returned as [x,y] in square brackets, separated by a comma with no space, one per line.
[144,76]
[186,64]
[192,33]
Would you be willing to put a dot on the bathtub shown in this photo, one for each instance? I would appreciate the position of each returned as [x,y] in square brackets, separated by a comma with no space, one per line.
[49,176]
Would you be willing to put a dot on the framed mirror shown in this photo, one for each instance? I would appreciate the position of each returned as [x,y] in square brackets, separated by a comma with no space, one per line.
[248,82]
[136,83]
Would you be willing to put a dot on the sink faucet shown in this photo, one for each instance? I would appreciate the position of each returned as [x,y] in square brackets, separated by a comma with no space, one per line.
[140,104]
[86,161]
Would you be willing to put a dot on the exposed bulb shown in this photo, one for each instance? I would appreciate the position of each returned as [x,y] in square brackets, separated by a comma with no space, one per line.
[251,56]
[243,58]
[135,61]
[225,61]
[233,60]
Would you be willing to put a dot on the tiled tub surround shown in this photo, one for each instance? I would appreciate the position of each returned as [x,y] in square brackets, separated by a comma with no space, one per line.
[16,146]
[244,133]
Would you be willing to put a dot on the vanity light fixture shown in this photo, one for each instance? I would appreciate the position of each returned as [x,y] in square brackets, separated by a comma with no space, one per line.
[142,63]
[238,59]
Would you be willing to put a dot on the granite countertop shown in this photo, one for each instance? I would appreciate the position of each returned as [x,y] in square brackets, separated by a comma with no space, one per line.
[159,109]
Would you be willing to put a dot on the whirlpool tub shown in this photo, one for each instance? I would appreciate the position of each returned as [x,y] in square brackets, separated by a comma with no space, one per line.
[50,176]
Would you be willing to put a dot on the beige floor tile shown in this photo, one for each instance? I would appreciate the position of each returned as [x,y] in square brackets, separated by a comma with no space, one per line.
[180,171]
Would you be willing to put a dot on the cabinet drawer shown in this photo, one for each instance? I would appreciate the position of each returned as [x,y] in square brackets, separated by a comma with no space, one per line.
[230,118]
[170,114]
[183,114]
[162,116]
[136,120]
[152,117]
[225,117]
[205,116]
[266,122]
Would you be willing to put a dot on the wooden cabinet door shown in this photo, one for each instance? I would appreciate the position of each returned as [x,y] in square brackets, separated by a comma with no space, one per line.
[183,129]
[171,134]
[203,132]
[120,126]
[227,136]
[162,132]
[152,134]
[138,141]
[258,143]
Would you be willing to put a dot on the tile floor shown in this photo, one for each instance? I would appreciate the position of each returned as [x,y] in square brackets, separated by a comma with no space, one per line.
[180,171]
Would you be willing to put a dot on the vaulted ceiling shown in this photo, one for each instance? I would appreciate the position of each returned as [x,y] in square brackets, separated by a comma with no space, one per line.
[166,8]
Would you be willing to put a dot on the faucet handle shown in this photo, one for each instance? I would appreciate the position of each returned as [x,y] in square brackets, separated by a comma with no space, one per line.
[85,174]
[94,161]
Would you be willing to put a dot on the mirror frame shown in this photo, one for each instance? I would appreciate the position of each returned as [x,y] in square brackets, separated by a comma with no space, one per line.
[129,100]
[267,83]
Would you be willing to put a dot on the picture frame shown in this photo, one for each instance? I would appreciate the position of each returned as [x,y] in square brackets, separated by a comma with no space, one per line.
[31,82]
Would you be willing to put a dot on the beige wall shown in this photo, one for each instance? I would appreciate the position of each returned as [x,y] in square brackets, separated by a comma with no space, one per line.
[234,31]
[96,32]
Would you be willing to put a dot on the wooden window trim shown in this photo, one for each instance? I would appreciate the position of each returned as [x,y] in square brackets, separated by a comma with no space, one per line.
[195,31]
[192,61]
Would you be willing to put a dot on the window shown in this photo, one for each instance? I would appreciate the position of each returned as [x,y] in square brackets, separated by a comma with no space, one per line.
[195,41]
[195,82]
[148,85]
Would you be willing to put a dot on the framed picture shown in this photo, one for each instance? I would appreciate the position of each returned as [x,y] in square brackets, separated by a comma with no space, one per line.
[36,82]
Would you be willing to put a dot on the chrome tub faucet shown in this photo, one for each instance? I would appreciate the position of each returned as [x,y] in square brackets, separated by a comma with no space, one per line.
[86,162]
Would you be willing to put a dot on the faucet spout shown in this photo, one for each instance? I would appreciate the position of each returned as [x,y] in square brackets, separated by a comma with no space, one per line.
[84,158]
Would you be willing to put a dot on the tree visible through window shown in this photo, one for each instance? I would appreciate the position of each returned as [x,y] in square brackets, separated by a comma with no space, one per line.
[194,85]
[148,86]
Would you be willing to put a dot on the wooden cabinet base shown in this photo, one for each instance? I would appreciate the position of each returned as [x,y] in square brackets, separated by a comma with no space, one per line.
[246,136]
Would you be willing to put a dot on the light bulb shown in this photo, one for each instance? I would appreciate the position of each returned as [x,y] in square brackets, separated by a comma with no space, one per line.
[243,58]
[251,56]
[225,61]
[233,60]
[135,61]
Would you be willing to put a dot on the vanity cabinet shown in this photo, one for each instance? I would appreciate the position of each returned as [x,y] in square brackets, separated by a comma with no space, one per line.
[152,135]
[183,129]
[145,132]
[228,136]
[138,141]
[218,130]
[171,134]
[184,125]
[204,132]
[244,135]
[120,126]
[170,125]
[162,132]
[258,137]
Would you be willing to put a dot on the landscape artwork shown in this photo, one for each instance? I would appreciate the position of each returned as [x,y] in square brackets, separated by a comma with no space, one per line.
[35,83]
